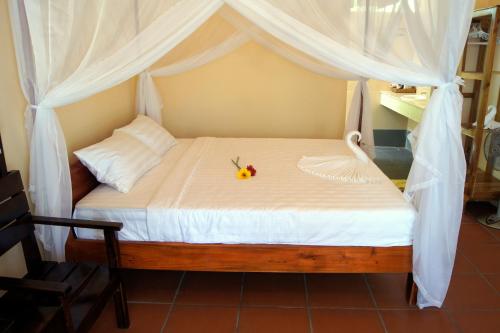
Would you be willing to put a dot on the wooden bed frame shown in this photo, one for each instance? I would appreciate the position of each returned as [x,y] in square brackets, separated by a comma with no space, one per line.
[239,257]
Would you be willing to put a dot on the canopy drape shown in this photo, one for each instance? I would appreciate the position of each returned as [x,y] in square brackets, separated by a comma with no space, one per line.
[360,114]
[68,50]
[221,35]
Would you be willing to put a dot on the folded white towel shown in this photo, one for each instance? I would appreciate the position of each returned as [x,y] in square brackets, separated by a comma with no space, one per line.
[355,169]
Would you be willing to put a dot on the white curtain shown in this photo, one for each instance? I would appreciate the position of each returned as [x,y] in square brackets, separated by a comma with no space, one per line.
[433,33]
[148,100]
[360,109]
[435,184]
[80,48]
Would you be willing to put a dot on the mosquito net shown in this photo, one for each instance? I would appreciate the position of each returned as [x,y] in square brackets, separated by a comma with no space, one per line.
[68,50]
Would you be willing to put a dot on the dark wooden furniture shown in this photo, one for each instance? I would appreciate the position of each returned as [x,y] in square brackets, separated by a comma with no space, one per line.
[73,294]
[24,318]
[240,257]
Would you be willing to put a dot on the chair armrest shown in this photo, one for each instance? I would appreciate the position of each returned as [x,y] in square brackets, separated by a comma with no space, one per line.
[50,287]
[109,228]
[90,224]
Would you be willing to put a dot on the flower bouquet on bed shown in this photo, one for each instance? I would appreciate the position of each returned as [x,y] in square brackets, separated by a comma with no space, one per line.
[244,173]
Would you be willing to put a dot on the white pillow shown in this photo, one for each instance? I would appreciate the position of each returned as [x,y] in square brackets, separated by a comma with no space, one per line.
[118,161]
[150,133]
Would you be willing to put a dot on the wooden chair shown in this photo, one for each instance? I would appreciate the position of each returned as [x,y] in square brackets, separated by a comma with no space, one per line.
[75,292]
[22,317]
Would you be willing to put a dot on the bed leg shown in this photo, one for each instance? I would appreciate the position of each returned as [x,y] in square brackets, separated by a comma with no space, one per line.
[411,290]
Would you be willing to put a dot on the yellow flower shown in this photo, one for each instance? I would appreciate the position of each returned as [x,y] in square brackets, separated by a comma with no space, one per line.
[243,173]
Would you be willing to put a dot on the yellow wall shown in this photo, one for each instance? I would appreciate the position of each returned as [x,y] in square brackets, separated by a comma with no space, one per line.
[383,118]
[83,123]
[14,140]
[252,92]
[94,118]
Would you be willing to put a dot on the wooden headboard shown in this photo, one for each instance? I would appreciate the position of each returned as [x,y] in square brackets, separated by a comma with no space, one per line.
[82,181]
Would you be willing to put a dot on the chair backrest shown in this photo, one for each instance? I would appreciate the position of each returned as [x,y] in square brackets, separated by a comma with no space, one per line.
[15,217]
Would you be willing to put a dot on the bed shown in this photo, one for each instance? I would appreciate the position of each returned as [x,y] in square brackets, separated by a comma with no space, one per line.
[191,213]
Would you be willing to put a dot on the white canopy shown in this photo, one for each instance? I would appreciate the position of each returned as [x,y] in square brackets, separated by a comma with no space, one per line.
[224,32]
[68,50]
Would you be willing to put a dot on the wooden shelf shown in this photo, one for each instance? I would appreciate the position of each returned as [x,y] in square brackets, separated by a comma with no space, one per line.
[479,185]
[469,132]
[472,75]
[486,187]
[482,43]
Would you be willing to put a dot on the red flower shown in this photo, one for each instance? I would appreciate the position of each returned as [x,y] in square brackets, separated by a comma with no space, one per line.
[251,169]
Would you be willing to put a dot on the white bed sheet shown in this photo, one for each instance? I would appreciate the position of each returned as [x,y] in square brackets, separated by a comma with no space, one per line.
[193,196]
[106,204]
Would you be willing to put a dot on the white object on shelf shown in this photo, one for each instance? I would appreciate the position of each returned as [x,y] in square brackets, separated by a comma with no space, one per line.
[477,32]
[489,119]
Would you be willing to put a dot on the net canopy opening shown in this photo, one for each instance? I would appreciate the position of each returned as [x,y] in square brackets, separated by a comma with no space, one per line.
[68,50]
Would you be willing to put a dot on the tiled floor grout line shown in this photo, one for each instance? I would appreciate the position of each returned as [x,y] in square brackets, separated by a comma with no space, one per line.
[488,230]
[485,279]
[477,270]
[237,327]
[452,319]
[177,290]
[361,308]
[313,307]
[274,306]
[308,306]
[447,311]
[379,314]
[481,274]
[207,305]
[472,310]
[396,308]
[149,302]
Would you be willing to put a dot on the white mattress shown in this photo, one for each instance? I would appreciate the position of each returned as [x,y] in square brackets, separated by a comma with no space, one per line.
[193,196]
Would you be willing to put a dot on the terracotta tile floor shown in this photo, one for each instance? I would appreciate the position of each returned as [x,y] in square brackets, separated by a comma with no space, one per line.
[177,302]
